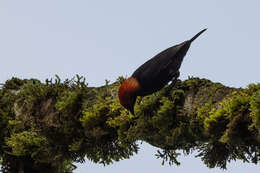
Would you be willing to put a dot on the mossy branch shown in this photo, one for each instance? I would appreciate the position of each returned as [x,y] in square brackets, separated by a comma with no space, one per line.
[45,127]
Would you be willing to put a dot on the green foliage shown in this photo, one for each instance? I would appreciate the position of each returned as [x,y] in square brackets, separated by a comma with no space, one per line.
[26,143]
[169,156]
[162,121]
[45,127]
[255,111]
[7,99]
[14,83]
[35,129]
[232,129]
[101,128]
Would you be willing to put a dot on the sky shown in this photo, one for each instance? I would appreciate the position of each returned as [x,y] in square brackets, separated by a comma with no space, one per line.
[102,40]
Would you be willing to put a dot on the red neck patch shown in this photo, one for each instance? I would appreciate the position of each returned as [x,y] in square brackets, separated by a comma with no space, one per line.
[127,90]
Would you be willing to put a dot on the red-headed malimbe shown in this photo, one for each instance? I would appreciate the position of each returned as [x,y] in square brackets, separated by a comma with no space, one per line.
[154,74]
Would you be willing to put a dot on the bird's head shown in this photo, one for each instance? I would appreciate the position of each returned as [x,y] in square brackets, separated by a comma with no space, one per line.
[127,93]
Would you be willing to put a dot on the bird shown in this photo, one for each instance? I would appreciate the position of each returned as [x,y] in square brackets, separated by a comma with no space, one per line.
[154,74]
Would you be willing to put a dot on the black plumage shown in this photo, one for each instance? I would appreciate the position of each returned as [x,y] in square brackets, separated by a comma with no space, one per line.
[162,68]
[154,74]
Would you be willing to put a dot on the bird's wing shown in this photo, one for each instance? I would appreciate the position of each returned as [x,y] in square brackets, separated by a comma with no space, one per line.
[157,72]
[157,64]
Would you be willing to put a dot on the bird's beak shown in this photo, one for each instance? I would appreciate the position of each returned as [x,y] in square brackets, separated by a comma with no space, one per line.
[132,110]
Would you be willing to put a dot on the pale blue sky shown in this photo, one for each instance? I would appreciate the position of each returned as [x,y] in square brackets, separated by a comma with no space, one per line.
[106,39]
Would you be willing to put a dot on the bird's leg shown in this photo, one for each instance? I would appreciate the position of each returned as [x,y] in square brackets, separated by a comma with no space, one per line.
[174,79]
[139,100]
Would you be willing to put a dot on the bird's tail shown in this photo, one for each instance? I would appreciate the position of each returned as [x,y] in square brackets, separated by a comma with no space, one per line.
[197,35]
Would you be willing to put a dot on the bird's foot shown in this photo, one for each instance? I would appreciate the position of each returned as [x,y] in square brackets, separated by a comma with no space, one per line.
[140,100]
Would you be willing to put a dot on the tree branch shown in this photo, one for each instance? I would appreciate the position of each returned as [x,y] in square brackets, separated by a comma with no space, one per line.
[53,124]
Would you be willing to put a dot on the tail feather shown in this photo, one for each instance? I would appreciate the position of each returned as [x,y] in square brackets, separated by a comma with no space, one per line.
[197,35]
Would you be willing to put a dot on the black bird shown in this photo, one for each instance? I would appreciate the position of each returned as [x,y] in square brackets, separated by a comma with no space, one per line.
[154,74]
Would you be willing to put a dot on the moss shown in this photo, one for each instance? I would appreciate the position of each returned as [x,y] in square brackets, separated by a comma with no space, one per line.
[104,128]
[205,111]
[14,83]
[7,99]
[215,154]
[57,123]
[255,110]
[22,144]
[237,132]
[217,122]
